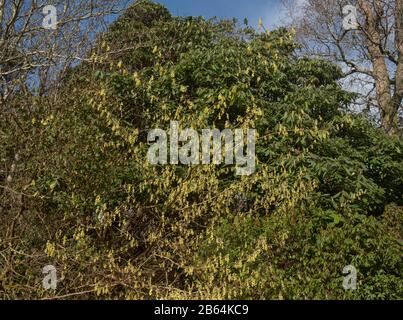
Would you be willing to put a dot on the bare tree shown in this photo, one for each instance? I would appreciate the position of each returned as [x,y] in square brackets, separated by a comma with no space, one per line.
[366,38]
[40,40]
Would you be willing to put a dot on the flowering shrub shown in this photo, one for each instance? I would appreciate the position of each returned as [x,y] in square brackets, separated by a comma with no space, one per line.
[326,192]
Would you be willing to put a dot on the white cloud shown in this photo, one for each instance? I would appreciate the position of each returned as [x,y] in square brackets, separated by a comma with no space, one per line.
[279,15]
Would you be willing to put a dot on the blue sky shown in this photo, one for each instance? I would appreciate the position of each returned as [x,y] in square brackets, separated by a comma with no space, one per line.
[268,10]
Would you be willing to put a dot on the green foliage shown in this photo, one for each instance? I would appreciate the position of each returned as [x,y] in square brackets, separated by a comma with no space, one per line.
[327,191]
[300,255]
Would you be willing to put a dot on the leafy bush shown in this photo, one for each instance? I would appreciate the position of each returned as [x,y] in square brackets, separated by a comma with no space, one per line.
[327,191]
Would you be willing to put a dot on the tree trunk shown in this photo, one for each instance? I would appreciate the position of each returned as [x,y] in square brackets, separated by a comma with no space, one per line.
[388,104]
[397,99]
